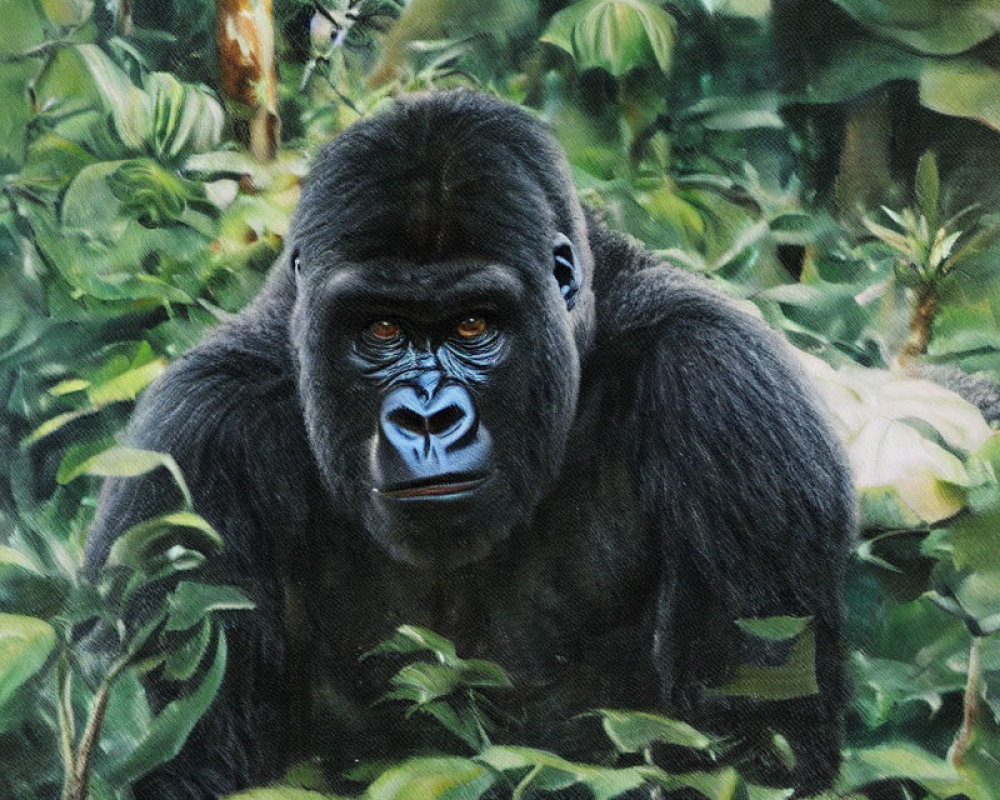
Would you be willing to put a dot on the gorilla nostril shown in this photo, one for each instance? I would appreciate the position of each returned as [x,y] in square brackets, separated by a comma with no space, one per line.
[408,420]
[444,419]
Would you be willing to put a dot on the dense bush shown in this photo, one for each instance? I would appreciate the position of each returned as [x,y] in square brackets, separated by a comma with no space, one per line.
[831,163]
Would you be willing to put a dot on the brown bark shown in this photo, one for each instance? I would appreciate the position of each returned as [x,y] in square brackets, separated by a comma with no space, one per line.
[244,31]
[924,311]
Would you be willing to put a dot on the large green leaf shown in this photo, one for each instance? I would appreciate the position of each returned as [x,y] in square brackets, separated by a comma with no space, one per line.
[25,645]
[935,27]
[905,479]
[171,727]
[795,678]
[412,639]
[906,761]
[634,731]
[21,30]
[432,779]
[616,35]
[280,793]
[166,118]
[191,602]
[902,437]
[962,87]
[128,462]
[25,589]
[774,629]
[146,540]
[857,66]
[543,772]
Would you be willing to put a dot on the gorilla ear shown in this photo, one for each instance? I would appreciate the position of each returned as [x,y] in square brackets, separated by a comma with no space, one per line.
[566,272]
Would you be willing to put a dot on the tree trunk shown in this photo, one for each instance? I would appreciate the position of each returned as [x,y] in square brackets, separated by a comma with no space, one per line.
[244,32]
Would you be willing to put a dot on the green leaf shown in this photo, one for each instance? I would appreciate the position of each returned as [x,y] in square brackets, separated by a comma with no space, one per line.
[68,12]
[902,760]
[127,385]
[428,681]
[11,559]
[89,205]
[440,778]
[171,727]
[634,731]
[187,118]
[191,602]
[615,35]
[25,589]
[927,186]
[905,480]
[280,793]
[479,673]
[775,629]
[77,454]
[795,678]
[755,9]
[148,539]
[50,426]
[411,639]
[25,646]
[962,88]
[128,104]
[736,113]
[857,66]
[129,462]
[935,27]
[182,662]
[546,772]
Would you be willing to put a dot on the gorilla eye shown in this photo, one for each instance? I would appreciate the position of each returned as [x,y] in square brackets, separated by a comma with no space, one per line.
[385,330]
[471,327]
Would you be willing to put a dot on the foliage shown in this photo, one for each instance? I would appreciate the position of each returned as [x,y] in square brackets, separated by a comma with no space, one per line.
[829,163]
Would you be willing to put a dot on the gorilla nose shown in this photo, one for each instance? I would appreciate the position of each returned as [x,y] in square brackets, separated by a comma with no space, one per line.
[447,416]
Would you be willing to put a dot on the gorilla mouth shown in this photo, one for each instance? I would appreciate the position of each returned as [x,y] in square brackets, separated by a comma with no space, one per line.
[434,486]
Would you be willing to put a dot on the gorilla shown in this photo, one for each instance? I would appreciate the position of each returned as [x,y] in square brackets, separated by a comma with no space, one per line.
[461,402]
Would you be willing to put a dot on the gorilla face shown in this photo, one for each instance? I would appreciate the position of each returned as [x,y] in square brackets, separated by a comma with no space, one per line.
[438,346]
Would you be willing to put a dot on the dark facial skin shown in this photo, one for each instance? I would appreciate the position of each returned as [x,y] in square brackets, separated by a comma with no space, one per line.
[427,352]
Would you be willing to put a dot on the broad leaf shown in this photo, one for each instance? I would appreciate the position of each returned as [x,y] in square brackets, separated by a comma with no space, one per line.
[432,779]
[634,731]
[25,645]
[616,35]
[191,602]
[795,678]
[936,27]
[775,629]
[962,88]
[128,462]
[148,539]
[171,727]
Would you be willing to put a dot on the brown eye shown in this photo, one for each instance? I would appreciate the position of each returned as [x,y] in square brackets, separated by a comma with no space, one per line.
[385,329]
[471,328]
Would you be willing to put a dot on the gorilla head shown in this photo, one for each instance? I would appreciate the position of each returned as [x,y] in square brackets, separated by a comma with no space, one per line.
[451,328]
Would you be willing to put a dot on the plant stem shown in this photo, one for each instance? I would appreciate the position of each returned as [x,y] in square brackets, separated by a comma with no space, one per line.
[924,311]
[77,782]
[67,725]
[970,705]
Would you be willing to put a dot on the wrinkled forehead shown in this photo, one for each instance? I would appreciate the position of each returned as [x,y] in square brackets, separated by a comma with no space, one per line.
[430,186]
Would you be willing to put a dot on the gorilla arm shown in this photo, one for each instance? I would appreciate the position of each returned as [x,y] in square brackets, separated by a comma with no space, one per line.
[219,412]
[746,483]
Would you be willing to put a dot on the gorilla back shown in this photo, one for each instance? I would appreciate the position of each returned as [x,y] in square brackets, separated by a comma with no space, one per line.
[460,402]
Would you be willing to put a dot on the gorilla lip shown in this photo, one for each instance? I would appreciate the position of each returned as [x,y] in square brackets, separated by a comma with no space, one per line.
[435,486]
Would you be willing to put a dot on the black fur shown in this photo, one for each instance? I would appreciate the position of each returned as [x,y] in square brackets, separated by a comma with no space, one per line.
[661,466]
